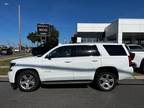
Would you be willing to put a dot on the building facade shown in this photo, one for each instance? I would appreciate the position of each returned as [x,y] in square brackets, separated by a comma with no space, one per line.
[89,32]
[130,31]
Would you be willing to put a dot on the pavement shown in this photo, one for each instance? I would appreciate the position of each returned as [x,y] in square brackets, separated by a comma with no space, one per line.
[128,94]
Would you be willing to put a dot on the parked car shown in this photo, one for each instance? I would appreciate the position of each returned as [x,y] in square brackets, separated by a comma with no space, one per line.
[16,50]
[100,64]
[6,51]
[40,50]
[138,52]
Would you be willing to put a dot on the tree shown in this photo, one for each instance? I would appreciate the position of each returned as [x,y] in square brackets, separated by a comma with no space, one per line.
[33,37]
[50,41]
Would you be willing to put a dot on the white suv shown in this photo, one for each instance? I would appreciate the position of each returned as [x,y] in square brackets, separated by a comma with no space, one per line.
[101,64]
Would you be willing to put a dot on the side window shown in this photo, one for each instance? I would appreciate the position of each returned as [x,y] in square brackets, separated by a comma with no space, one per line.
[115,50]
[64,51]
[85,50]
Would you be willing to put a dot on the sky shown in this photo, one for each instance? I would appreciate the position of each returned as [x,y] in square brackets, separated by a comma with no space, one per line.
[63,14]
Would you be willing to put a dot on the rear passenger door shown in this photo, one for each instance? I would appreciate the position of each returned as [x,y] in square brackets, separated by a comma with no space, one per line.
[86,59]
[116,57]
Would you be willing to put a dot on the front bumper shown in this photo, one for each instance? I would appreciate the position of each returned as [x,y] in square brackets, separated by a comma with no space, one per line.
[11,76]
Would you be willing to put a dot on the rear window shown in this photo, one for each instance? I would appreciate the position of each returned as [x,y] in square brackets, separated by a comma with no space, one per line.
[115,50]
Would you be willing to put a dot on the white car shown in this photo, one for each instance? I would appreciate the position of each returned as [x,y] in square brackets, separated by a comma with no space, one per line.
[102,64]
[138,52]
[16,50]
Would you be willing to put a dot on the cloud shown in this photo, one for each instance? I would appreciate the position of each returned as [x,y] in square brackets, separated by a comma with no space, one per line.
[6,4]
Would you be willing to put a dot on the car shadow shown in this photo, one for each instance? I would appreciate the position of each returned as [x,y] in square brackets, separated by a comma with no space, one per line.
[61,86]
[132,82]
[3,81]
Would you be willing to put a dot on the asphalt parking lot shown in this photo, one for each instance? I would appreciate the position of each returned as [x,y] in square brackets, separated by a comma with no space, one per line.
[129,94]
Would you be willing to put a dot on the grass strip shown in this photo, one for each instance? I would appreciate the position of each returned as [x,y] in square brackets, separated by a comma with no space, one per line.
[4,71]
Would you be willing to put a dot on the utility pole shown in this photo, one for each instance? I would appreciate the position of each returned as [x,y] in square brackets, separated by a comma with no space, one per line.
[19,26]
[19,23]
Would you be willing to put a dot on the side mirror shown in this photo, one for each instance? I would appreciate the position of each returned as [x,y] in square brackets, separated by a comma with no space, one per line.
[48,57]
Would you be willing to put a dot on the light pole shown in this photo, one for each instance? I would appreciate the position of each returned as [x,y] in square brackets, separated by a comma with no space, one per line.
[19,24]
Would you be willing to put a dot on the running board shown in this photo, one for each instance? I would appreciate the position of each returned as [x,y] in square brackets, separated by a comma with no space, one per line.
[67,82]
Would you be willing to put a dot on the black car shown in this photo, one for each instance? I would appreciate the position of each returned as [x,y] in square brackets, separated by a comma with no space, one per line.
[40,50]
[7,51]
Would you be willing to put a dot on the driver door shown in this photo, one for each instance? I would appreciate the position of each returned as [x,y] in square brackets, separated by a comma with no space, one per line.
[58,64]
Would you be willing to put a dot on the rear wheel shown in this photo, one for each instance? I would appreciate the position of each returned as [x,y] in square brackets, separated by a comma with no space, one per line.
[28,81]
[105,81]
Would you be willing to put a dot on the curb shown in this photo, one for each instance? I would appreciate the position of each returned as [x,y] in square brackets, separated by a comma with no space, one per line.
[139,77]
[4,78]
[4,67]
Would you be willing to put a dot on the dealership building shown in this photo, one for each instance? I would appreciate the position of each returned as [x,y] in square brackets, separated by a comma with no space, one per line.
[130,31]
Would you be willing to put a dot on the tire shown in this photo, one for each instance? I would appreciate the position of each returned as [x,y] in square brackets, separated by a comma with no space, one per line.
[141,69]
[105,80]
[28,81]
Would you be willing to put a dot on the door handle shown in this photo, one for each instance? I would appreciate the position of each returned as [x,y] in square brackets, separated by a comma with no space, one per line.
[67,61]
[94,60]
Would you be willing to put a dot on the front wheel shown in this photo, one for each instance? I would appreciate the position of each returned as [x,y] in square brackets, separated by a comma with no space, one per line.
[28,81]
[106,81]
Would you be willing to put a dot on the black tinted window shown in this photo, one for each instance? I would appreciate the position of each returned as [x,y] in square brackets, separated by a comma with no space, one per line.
[115,50]
[136,48]
[65,51]
[85,50]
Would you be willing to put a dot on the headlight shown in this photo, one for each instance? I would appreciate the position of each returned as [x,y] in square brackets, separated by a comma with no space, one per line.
[12,64]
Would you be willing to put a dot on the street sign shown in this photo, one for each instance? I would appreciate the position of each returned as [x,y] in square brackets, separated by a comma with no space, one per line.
[43,29]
